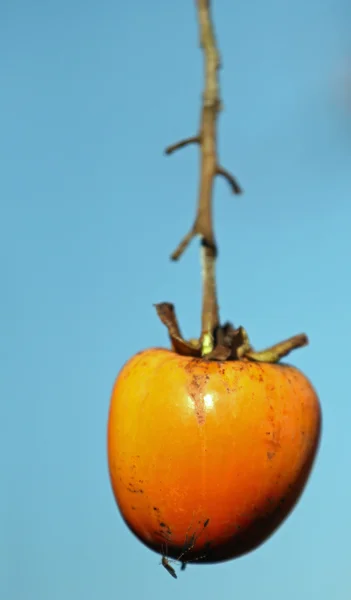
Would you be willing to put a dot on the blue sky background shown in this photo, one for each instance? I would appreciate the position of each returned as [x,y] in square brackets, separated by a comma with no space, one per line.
[91,93]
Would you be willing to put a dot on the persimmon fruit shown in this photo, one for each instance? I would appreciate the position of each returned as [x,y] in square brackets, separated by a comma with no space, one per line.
[210,443]
[191,442]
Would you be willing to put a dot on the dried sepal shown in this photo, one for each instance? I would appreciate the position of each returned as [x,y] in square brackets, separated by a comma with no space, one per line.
[230,343]
[166,313]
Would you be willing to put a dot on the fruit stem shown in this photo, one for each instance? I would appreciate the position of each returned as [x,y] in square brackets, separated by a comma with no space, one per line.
[207,140]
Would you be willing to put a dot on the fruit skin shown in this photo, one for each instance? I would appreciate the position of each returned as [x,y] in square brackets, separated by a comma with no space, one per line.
[191,440]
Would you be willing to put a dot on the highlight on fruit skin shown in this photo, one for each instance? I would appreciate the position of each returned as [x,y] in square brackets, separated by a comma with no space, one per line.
[191,441]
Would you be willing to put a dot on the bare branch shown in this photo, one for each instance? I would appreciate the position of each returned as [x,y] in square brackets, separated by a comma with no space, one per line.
[183,244]
[217,342]
[207,141]
[203,223]
[236,189]
[191,140]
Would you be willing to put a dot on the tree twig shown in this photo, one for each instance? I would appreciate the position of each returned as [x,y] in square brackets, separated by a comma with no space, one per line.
[236,189]
[207,141]
[191,140]
[217,342]
[203,222]
[183,244]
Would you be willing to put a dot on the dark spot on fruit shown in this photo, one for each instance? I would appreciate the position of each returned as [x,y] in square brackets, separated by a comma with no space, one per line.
[196,392]
[270,455]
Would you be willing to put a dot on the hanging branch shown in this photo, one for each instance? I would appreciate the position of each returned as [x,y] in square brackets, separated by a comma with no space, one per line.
[216,342]
[207,141]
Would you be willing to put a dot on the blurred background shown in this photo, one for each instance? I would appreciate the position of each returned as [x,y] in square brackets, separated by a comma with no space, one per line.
[91,93]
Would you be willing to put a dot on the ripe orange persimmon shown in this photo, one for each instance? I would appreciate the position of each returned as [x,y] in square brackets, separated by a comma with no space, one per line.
[210,444]
[207,458]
